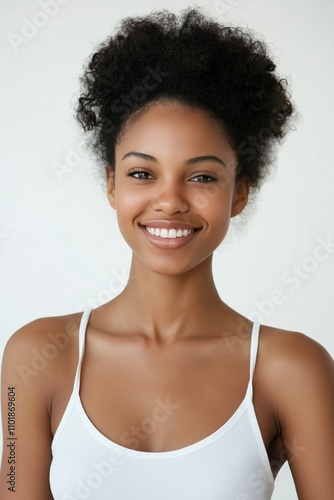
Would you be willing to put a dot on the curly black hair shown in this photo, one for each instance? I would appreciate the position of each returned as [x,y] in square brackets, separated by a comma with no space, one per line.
[196,61]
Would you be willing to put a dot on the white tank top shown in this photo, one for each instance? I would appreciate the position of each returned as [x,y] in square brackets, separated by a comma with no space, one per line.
[229,464]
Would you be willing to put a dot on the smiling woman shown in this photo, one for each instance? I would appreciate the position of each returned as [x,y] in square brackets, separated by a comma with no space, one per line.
[166,392]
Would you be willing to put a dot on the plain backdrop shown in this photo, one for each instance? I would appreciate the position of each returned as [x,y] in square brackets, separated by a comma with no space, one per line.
[61,250]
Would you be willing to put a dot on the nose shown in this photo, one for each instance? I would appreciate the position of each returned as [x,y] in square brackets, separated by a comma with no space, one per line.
[170,199]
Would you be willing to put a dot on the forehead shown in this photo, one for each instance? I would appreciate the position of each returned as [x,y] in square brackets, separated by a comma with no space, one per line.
[175,129]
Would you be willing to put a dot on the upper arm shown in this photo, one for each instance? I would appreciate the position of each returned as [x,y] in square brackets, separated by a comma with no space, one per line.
[25,402]
[304,393]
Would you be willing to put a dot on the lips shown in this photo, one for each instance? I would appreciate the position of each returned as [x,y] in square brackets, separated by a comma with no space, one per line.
[169,234]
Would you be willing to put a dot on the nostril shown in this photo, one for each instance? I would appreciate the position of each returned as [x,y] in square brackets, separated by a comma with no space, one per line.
[169,205]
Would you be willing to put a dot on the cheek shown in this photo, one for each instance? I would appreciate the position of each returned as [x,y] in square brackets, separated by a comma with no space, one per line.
[216,210]
[219,227]
[129,204]
[129,200]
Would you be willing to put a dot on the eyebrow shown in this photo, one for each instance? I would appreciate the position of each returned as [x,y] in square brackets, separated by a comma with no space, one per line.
[191,161]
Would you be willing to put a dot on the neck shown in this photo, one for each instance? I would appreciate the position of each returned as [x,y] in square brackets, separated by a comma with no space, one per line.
[166,307]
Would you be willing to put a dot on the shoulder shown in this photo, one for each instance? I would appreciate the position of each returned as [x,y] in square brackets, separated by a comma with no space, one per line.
[295,367]
[44,332]
[42,345]
[288,351]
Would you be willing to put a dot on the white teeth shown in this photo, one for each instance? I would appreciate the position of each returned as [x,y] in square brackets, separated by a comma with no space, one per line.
[169,234]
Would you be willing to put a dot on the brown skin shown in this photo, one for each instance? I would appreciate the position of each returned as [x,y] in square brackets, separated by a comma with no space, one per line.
[168,334]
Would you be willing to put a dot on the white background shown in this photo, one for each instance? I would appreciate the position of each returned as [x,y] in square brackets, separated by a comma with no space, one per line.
[60,247]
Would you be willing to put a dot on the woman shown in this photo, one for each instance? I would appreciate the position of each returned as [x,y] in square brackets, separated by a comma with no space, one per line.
[166,391]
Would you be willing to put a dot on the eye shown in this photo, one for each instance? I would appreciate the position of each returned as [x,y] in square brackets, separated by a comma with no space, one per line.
[140,174]
[204,178]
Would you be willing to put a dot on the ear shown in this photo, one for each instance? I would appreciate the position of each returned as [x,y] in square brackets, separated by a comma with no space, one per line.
[110,175]
[240,196]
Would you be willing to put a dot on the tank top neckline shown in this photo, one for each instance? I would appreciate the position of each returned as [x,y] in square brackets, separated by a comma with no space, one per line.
[75,401]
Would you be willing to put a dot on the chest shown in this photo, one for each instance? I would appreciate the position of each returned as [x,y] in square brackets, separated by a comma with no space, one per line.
[152,399]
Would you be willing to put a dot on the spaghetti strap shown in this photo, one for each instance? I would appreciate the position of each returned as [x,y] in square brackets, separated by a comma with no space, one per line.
[254,344]
[82,335]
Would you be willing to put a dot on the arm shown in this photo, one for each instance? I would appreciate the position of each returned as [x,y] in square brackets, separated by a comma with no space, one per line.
[26,435]
[303,381]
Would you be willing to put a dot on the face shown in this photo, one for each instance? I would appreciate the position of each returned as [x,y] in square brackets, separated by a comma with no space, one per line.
[174,188]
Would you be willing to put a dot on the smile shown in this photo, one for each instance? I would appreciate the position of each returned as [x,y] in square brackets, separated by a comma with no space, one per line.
[169,238]
[169,233]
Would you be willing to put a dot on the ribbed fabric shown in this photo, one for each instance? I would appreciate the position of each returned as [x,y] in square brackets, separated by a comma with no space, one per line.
[229,464]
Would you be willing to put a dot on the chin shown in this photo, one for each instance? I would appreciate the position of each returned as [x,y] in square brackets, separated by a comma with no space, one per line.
[172,267]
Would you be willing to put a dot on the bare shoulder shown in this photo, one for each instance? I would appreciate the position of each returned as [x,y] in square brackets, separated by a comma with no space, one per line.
[43,345]
[294,364]
[292,351]
[42,328]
